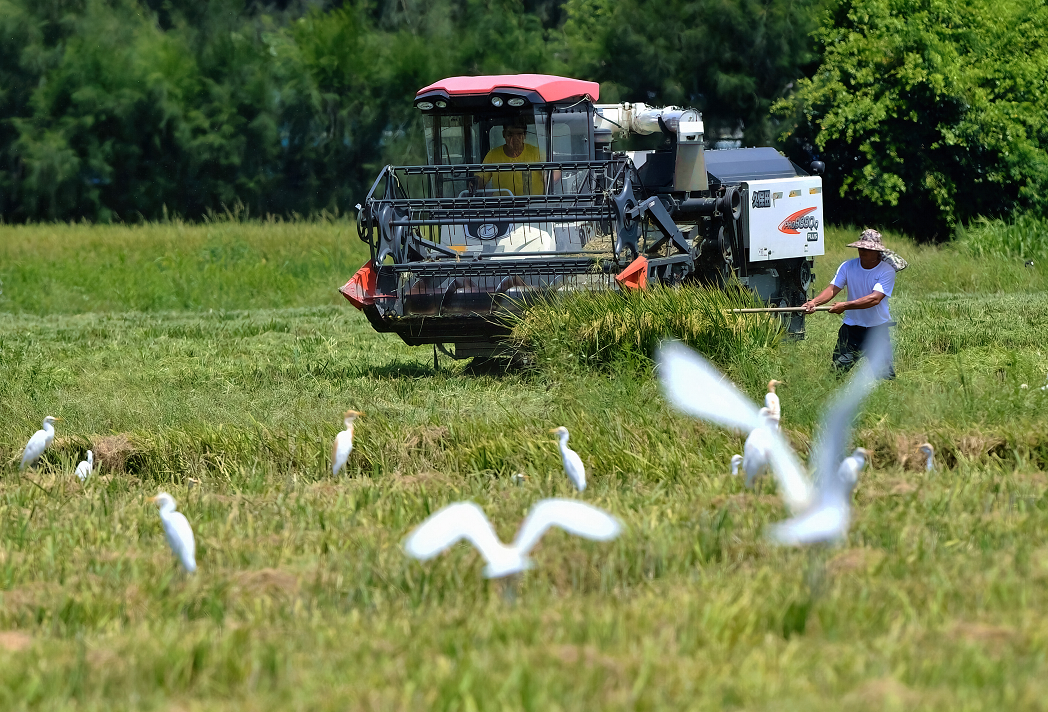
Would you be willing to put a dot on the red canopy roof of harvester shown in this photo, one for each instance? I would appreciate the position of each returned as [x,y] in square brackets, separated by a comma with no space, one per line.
[549,87]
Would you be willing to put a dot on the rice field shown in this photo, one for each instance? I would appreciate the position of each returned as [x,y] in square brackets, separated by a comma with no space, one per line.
[222,353]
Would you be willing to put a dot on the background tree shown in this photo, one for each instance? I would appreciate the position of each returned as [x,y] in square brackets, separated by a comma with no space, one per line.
[928,112]
[731,59]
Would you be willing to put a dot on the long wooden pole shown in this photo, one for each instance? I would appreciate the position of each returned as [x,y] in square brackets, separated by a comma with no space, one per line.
[774,310]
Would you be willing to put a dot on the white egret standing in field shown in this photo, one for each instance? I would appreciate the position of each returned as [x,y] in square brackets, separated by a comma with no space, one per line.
[179,533]
[695,386]
[83,470]
[736,461]
[828,517]
[573,466]
[39,442]
[771,400]
[343,442]
[929,454]
[756,453]
[465,520]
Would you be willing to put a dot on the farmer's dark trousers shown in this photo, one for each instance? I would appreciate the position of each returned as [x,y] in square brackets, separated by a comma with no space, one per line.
[851,341]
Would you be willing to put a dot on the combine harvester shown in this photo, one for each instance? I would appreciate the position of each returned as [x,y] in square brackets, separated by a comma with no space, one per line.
[463,238]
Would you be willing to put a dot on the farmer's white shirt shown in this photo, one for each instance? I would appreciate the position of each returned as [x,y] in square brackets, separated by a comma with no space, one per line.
[861,282]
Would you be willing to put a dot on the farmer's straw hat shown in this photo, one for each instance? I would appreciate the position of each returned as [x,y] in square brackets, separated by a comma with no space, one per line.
[870,240]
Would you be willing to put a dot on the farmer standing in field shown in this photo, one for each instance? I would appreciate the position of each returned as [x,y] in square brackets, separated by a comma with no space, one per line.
[870,279]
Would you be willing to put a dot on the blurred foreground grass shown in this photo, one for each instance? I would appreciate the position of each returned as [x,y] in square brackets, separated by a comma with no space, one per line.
[304,600]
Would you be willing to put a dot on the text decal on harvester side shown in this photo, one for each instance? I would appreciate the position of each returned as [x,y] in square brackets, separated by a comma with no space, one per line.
[785,218]
[798,221]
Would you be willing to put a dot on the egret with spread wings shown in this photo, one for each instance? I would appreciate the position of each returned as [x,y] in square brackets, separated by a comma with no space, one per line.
[829,516]
[465,520]
[695,386]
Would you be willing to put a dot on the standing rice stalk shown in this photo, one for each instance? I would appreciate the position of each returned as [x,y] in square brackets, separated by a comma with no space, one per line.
[605,327]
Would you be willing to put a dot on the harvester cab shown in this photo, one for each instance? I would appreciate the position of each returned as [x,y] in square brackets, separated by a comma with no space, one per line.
[523,195]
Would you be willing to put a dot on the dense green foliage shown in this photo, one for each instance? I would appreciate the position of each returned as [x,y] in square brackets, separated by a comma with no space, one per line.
[304,599]
[111,110]
[930,112]
[123,109]
[730,60]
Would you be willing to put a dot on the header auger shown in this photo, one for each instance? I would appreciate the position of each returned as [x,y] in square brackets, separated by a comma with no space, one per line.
[523,195]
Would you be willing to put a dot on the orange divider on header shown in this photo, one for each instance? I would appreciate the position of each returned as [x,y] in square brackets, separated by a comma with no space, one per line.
[360,290]
[635,276]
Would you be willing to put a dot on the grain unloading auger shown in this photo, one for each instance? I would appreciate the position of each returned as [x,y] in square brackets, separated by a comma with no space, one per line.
[492,220]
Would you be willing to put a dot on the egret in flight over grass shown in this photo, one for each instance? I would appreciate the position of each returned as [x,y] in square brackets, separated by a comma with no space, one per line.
[695,386]
[929,453]
[39,442]
[771,400]
[852,465]
[179,533]
[83,470]
[343,442]
[829,516]
[573,466]
[465,520]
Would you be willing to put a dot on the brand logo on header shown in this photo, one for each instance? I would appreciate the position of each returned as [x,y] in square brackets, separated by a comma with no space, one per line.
[800,220]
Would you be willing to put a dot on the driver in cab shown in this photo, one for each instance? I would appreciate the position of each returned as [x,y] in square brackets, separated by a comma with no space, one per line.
[515,150]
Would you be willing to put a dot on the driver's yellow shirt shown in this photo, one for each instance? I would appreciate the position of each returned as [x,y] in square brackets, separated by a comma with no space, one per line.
[517,182]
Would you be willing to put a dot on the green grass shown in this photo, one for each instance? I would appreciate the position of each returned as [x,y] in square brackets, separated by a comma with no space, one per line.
[222,265]
[304,600]
[1025,237]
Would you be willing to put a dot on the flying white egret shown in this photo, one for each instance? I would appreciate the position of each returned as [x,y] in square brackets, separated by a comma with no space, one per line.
[83,470]
[39,442]
[852,465]
[343,442]
[573,466]
[835,475]
[929,453]
[465,520]
[771,400]
[179,533]
[695,386]
[736,461]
